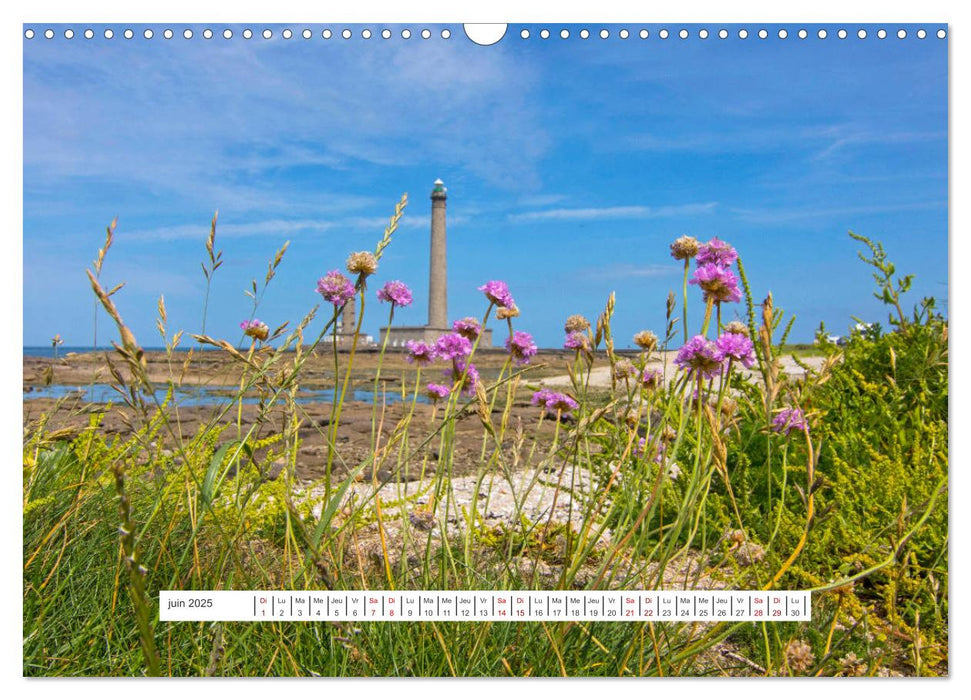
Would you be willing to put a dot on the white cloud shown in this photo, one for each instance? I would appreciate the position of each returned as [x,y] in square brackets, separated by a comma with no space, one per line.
[621,212]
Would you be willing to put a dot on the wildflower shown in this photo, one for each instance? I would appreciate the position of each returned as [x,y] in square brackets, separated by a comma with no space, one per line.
[436,392]
[553,401]
[468,327]
[395,292]
[576,340]
[645,340]
[799,655]
[624,369]
[685,248]
[576,323]
[521,346]
[498,293]
[452,346]
[467,370]
[737,327]
[716,252]
[504,312]
[717,282]
[699,356]
[255,328]
[335,288]
[420,353]
[851,665]
[651,378]
[789,419]
[674,471]
[737,347]
[659,448]
[362,263]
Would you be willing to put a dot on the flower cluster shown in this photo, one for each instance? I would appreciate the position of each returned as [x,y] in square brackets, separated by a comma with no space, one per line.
[554,402]
[335,288]
[576,340]
[362,263]
[789,419]
[396,293]
[576,323]
[452,346]
[420,353]
[651,378]
[646,340]
[468,327]
[521,346]
[717,282]
[737,347]
[700,358]
[255,328]
[685,248]
[437,392]
[498,293]
[716,252]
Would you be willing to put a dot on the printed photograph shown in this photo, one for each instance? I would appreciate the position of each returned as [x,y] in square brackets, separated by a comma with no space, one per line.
[528,350]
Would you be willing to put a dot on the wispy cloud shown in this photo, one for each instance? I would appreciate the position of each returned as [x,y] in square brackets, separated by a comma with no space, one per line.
[627,271]
[622,212]
[781,216]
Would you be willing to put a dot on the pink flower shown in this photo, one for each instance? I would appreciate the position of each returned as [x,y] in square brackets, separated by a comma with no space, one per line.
[716,252]
[699,356]
[576,340]
[498,293]
[420,353]
[553,402]
[255,328]
[335,288]
[718,283]
[462,369]
[789,419]
[395,292]
[437,392]
[452,346]
[468,327]
[521,347]
[737,347]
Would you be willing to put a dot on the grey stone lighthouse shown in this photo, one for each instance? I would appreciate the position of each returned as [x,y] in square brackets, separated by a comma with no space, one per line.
[438,264]
[438,323]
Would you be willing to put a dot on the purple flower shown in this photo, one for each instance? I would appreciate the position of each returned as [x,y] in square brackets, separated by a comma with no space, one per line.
[468,370]
[467,327]
[452,346]
[335,288]
[554,402]
[651,378]
[716,252]
[498,293]
[717,282]
[437,392]
[789,419]
[395,292]
[420,353]
[660,450]
[700,357]
[576,340]
[521,347]
[737,347]
[255,328]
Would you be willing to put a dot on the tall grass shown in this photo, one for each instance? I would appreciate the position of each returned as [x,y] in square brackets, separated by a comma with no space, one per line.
[691,482]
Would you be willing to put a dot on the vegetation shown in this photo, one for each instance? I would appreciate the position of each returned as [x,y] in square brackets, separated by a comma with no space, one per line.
[730,473]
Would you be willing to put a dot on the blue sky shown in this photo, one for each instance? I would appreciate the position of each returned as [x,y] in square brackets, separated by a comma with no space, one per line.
[570,166]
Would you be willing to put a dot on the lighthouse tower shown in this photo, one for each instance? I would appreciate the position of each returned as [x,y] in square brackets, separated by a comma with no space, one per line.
[438,322]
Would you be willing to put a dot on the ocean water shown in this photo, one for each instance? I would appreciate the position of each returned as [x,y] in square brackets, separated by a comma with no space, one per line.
[197,395]
[48,351]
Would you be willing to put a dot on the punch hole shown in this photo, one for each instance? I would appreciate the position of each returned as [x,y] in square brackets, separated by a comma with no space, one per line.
[524,34]
[861,33]
[446,34]
[187,34]
[683,34]
[902,34]
[287,34]
[148,34]
[347,33]
[604,34]
[68,33]
[803,34]
[742,33]
[643,34]
[882,34]
[385,33]
[207,34]
[109,34]
[921,34]
[29,34]
[841,33]
[624,34]
[544,34]
[128,33]
[247,33]
[941,34]
[763,34]
[306,34]
[821,34]
[486,34]
[425,34]
[722,33]
[783,34]
[366,34]
[663,33]
[584,33]
[564,33]
[405,33]
[703,33]
[168,33]
[327,34]
[267,33]
[227,33]
[89,33]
